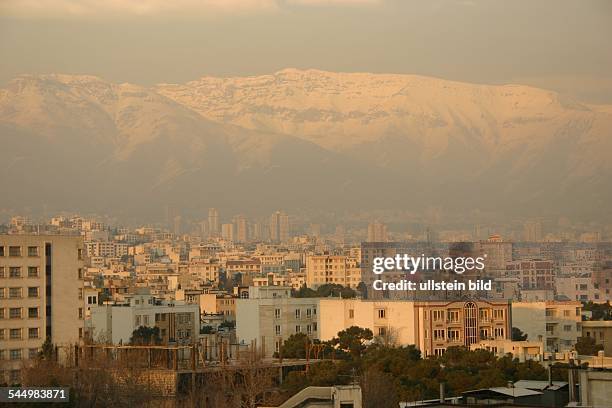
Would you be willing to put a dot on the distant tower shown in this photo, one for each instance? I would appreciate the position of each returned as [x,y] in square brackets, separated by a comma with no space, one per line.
[279,227]
[213,222]
[177,225]
[377,232]
[227,232]
[241,228]
[532,231]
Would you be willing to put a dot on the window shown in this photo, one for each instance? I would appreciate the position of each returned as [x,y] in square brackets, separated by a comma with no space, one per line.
[453,335]
[79,254]
[32,312]
[2,272]
[308,313]
[15,313]
[14,272]
[1,251]
[15,293]
[438,334]
[308,329]
[277,313]
[15,334]
[381,313]
[484,315]
[80,332]
[15,354]
[2,294]
[498,314]
[314,326]
[32,353]
[567,327]
[382,331]
[80,293]
[137,321]
[298,329]
[81,314]
[439,352]
[80,273]
[14,251]
[351,313]
[499,332]
[298,313]
[2,334]
[33,333]
[32,272]
[453,316]
[438,315]
[32,251]
[33,291]
[1,313]
[145,318]
[277,330]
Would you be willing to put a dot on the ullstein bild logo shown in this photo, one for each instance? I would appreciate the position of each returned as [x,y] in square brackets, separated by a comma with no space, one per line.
[412,264]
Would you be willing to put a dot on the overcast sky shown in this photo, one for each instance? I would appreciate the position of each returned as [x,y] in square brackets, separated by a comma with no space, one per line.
[561,45]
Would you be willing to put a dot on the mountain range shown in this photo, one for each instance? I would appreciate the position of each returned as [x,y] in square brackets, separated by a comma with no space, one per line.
[302,140]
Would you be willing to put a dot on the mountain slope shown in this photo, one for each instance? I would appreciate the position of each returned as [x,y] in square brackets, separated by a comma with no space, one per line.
[308,140]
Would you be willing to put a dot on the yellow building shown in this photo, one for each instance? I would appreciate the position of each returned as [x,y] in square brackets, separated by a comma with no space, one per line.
[332,269]
[41,295]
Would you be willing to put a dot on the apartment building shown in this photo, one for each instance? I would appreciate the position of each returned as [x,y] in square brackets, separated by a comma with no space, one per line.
[179,322]
[270,316]
[532,274]
[41,295]
[558,324]
[106,249]
[601,332]
[580,287]
[332,269]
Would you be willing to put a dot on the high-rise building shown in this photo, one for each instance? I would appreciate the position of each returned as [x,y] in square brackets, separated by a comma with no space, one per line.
[279,227]
[41,292]
[227,232]
[241,228]
[532,231]
[213,222]
[377,232]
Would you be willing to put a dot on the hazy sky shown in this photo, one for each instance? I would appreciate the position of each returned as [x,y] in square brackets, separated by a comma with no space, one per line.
[562,45]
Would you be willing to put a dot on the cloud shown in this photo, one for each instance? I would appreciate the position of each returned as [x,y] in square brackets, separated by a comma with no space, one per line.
[106,8]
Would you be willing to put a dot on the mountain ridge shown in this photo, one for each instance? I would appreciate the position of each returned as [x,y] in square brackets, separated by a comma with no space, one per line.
[338,134]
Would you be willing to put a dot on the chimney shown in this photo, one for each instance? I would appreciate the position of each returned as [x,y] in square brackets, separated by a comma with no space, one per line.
[442,393]
[550,381]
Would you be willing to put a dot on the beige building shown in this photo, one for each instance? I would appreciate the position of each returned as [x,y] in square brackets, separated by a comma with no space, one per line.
[523,350]
[270,316]
[557,324]
[601,332]
[332,269]
[41,295]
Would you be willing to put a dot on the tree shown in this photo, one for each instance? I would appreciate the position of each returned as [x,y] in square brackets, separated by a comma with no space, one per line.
[295,346]
[206,330]
[145,336]
[518,335]
[586,346]
[353,340]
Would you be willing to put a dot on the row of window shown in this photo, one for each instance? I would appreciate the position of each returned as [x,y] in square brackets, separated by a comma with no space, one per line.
[454,315]
[17,334]
[298,328]
[17,354]
[454,335]
[33,313]
[298,313]
[16,272]
[15,251]
[17,292]
[16,313]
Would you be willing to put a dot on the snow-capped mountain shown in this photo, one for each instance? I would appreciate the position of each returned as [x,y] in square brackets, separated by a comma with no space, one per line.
[303,139]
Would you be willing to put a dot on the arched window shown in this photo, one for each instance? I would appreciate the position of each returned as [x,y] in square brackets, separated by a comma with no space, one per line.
[470,313]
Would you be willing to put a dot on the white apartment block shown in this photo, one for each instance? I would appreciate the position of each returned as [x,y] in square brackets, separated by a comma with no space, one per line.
[41,295]
[270,316]
[178,322]
[557,324]
[332,269]
[106,249]
[581,287]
